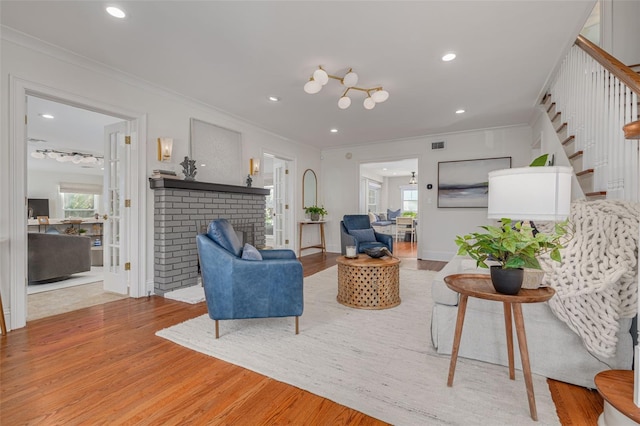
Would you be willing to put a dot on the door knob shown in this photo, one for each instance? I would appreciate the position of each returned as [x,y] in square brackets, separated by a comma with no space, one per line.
[105,217]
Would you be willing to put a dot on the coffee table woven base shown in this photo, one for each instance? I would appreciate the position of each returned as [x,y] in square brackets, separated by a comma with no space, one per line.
[368,283]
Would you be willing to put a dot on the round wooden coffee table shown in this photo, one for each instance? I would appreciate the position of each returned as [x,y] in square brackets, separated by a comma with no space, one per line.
[369,283]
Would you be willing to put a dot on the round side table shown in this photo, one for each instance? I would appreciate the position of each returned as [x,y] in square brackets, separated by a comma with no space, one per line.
[368,283]
[480,286]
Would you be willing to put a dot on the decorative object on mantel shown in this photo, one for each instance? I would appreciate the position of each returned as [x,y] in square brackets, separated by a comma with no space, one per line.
[320,77]
[249,181]
[189,169]
[164,174]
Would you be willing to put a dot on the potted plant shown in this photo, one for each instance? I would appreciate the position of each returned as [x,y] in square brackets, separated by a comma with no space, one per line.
[315,212]
[511,247]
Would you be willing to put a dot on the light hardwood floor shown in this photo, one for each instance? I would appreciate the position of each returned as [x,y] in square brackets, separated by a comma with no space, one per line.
[104,365]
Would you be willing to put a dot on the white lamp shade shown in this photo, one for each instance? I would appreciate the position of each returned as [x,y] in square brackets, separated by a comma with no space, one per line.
[350,80]
[380,96]
[344,102]
[369,103]
[312,87]
[530,193]
[321,76]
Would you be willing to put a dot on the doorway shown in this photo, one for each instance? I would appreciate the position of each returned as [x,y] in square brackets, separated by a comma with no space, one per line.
[278,220]
[389,189]
[65,174]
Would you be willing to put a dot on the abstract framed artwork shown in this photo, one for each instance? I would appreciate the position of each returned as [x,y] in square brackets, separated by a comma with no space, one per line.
[465,183]
[217,152]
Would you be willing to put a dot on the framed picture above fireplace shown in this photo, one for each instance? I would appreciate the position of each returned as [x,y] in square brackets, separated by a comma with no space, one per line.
[217,152]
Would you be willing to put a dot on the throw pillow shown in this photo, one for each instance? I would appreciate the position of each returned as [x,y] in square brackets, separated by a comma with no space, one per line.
[391,215]
[249,252]
[372,217]
[363,235]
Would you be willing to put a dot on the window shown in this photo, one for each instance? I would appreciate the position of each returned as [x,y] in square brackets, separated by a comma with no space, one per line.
[80,199]
[409,199]
[79,205]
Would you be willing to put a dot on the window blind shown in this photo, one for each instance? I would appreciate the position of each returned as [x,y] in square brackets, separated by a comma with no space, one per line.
[80,188]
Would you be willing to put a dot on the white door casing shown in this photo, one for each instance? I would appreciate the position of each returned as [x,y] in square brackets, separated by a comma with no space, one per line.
[13,233]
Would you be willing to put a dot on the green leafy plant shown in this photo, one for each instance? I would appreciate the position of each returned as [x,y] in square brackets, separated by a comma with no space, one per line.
[315,210]
[410,214]
[513,246]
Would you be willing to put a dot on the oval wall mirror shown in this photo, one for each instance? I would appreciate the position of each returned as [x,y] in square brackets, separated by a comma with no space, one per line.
[309,189]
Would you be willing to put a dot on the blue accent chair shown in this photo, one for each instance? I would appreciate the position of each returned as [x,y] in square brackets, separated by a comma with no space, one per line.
[351,222]
[236,288]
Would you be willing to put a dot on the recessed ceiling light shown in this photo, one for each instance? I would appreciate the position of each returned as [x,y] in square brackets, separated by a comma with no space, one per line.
[49,116]
[449,57]
[334,130]
[274,98]
[460,111]
[384,169]
[116,12]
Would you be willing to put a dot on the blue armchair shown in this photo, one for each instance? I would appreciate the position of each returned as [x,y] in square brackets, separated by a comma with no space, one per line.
[356,230]
[237,288]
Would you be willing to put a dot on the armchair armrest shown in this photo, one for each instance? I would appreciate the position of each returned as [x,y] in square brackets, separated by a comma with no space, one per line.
[385,239]
[277,254]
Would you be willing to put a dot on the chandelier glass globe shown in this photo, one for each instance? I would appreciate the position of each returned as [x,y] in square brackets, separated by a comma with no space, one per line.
[321,76]
[312,87]
[344,102]
[369,103]
[380,96]
[351,79]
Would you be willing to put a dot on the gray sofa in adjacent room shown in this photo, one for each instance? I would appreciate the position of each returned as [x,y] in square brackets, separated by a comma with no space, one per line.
[554,350]
[56,256]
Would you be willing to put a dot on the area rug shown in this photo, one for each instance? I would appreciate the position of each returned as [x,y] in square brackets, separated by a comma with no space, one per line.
[192,295]
[68,299]
[379,362]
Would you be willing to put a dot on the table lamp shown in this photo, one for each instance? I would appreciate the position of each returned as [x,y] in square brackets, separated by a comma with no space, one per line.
[530,193]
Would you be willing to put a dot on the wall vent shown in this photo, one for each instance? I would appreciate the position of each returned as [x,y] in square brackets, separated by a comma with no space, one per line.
[437,145]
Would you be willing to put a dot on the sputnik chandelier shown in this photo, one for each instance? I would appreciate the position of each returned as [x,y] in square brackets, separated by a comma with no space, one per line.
[64,157]
[320,77]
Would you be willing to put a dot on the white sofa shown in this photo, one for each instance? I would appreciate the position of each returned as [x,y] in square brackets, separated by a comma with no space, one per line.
[554,350]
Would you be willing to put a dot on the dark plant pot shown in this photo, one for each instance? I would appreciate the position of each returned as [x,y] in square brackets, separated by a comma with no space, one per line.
[507,281]
[315,217]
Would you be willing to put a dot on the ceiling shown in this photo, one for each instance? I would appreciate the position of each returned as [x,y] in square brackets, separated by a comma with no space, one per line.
[233,55]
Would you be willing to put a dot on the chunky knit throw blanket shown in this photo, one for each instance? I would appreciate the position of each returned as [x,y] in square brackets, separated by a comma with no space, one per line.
[597,282]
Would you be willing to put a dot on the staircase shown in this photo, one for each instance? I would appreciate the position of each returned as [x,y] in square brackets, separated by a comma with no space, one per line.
[593,105]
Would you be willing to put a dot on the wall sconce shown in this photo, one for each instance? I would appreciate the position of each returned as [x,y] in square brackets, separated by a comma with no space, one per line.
[165,145]
[254,166]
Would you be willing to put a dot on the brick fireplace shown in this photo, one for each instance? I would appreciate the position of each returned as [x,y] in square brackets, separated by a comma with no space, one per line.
[180,207]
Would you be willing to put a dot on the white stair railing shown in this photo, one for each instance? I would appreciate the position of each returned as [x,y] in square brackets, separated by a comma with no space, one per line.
[596,104]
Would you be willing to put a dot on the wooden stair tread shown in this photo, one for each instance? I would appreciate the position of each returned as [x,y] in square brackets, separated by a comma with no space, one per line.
[576,155]
[568,140]
[562,126]
[555,116]
[595,193]
[585,172]
[550,106]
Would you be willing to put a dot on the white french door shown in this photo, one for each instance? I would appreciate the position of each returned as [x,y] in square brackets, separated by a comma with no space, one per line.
[281,204]
[116,157]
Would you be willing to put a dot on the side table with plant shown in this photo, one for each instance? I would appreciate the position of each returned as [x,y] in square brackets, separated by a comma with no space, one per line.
[510,248]
[315,212]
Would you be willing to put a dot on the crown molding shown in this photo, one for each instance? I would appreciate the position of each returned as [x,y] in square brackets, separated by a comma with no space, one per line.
[53,51]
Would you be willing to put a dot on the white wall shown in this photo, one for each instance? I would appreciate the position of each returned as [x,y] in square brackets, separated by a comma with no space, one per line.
[625,31]
[167,115]
[437,227]
[43,184]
